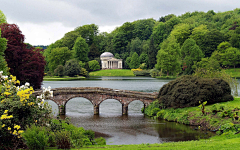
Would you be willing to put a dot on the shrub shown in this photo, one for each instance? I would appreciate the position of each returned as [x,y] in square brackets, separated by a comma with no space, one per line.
[93,65]
[100,141]
[18,109]
[59,71]
[72,68]
[187,91]
[63,140]
[36,137]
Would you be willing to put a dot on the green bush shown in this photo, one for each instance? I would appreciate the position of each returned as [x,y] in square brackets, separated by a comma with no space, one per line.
[63,140]
[93,65]
[59,71]
[72,68]
[36,137]
[100,141]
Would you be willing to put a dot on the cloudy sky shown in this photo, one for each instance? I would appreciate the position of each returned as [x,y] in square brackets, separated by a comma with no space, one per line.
[45,21]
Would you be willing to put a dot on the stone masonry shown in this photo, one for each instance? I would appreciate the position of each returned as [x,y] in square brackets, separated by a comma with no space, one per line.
[96,95]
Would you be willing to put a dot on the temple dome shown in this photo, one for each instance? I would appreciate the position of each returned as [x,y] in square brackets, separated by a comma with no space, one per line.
[106,54]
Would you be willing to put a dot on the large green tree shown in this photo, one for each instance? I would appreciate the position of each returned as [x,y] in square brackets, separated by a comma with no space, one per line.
[168,57]
[134,63]
[231,57]
[2,17]
[191,53]
[181,32]
[81,49]
[58,56]
[152,53]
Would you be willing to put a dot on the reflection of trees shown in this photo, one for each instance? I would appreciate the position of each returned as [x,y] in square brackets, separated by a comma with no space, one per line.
[172,131]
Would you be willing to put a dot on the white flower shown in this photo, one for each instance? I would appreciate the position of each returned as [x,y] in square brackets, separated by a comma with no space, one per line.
[51,93]
[42,100]
[49,87]
[27,84]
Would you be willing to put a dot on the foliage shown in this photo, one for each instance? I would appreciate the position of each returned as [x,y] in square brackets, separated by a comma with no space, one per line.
[231,57]
[2,17]
[152,54]
[81,49]
[26,64]
[59,71]
[134,63]
[36,137]
[63,140]
[202,106]
[18,110]
[168,57]
[191,54]
[93,65]
[3,47]
[188,91]
[209,73]
[58,56]
[72,68]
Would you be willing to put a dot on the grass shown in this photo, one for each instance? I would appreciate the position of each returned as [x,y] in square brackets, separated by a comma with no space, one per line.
[65,78]
[215,143]
[234,73]
[113,72]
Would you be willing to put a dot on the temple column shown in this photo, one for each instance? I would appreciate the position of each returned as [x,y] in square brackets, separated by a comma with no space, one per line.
[124,109]
[96,109]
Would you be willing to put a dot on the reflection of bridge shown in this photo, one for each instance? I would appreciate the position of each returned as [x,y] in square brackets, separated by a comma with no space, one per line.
[96,95]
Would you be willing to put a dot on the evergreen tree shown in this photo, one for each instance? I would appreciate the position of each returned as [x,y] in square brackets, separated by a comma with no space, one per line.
[152,53]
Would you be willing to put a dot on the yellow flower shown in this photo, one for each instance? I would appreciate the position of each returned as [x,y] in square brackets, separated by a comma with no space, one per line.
[17,127]
[3,125]
[15,132]
[36,121]
[20,131]
[9,128]
[6,111]
[6,93]
[18,82]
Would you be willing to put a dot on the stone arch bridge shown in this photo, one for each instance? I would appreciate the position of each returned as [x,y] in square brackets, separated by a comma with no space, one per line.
[96,95]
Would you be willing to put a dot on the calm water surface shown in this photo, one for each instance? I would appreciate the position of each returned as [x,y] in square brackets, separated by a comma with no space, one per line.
[134,128]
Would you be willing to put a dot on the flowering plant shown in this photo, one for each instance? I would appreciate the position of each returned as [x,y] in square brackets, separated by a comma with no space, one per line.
[19,109]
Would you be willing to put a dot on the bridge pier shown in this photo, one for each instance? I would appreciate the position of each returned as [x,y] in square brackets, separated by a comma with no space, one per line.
[124,109]
[96,109]
[62,110]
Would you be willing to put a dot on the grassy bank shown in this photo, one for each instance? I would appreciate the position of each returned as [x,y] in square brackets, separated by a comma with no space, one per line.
[65,78]
[112,72]
[214,116]
[215,143]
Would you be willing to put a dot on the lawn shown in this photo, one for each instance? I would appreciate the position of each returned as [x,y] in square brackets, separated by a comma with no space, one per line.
[65,78]
[113,72]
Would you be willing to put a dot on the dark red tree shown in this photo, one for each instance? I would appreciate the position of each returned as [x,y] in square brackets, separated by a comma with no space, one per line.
[27,64]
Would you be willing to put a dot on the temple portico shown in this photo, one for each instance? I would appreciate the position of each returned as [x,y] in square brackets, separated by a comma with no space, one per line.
[109,62]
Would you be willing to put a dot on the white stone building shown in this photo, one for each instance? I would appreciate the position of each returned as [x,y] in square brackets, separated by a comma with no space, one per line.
[109,62]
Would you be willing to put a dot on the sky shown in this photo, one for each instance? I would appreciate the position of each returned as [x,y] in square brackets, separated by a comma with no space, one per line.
[45,21]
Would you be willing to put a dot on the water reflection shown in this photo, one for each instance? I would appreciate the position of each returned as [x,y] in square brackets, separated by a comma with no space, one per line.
[134,128]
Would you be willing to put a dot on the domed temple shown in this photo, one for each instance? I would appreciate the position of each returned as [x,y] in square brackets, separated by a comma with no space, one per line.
[109,62]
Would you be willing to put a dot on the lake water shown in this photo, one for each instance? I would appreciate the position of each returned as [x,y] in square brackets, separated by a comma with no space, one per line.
[134,128]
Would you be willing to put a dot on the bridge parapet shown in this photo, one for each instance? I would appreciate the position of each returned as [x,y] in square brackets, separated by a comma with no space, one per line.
[97,94]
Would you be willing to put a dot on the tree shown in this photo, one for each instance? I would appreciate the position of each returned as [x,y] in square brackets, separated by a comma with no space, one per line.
[88,32]
[231,57]
[93,65]
[208,64]
[190,53]
[93,52]
[143,58]
[134,63]
[168,57]
[58,56]
[181,32]
[199,33]
[2,17]
[72,68]
[152,53]
[81,49]
[69,39]
[136,45]
[223,46]
[59,71]
[3,47]
[26,64]
[210,42]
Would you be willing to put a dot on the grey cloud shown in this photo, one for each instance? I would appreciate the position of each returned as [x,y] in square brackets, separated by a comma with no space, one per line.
[73,13]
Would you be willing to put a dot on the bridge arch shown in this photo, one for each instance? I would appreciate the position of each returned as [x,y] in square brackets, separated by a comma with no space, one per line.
[79,105]
[96,95]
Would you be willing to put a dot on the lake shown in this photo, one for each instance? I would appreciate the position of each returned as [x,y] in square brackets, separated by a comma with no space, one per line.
[134,128]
